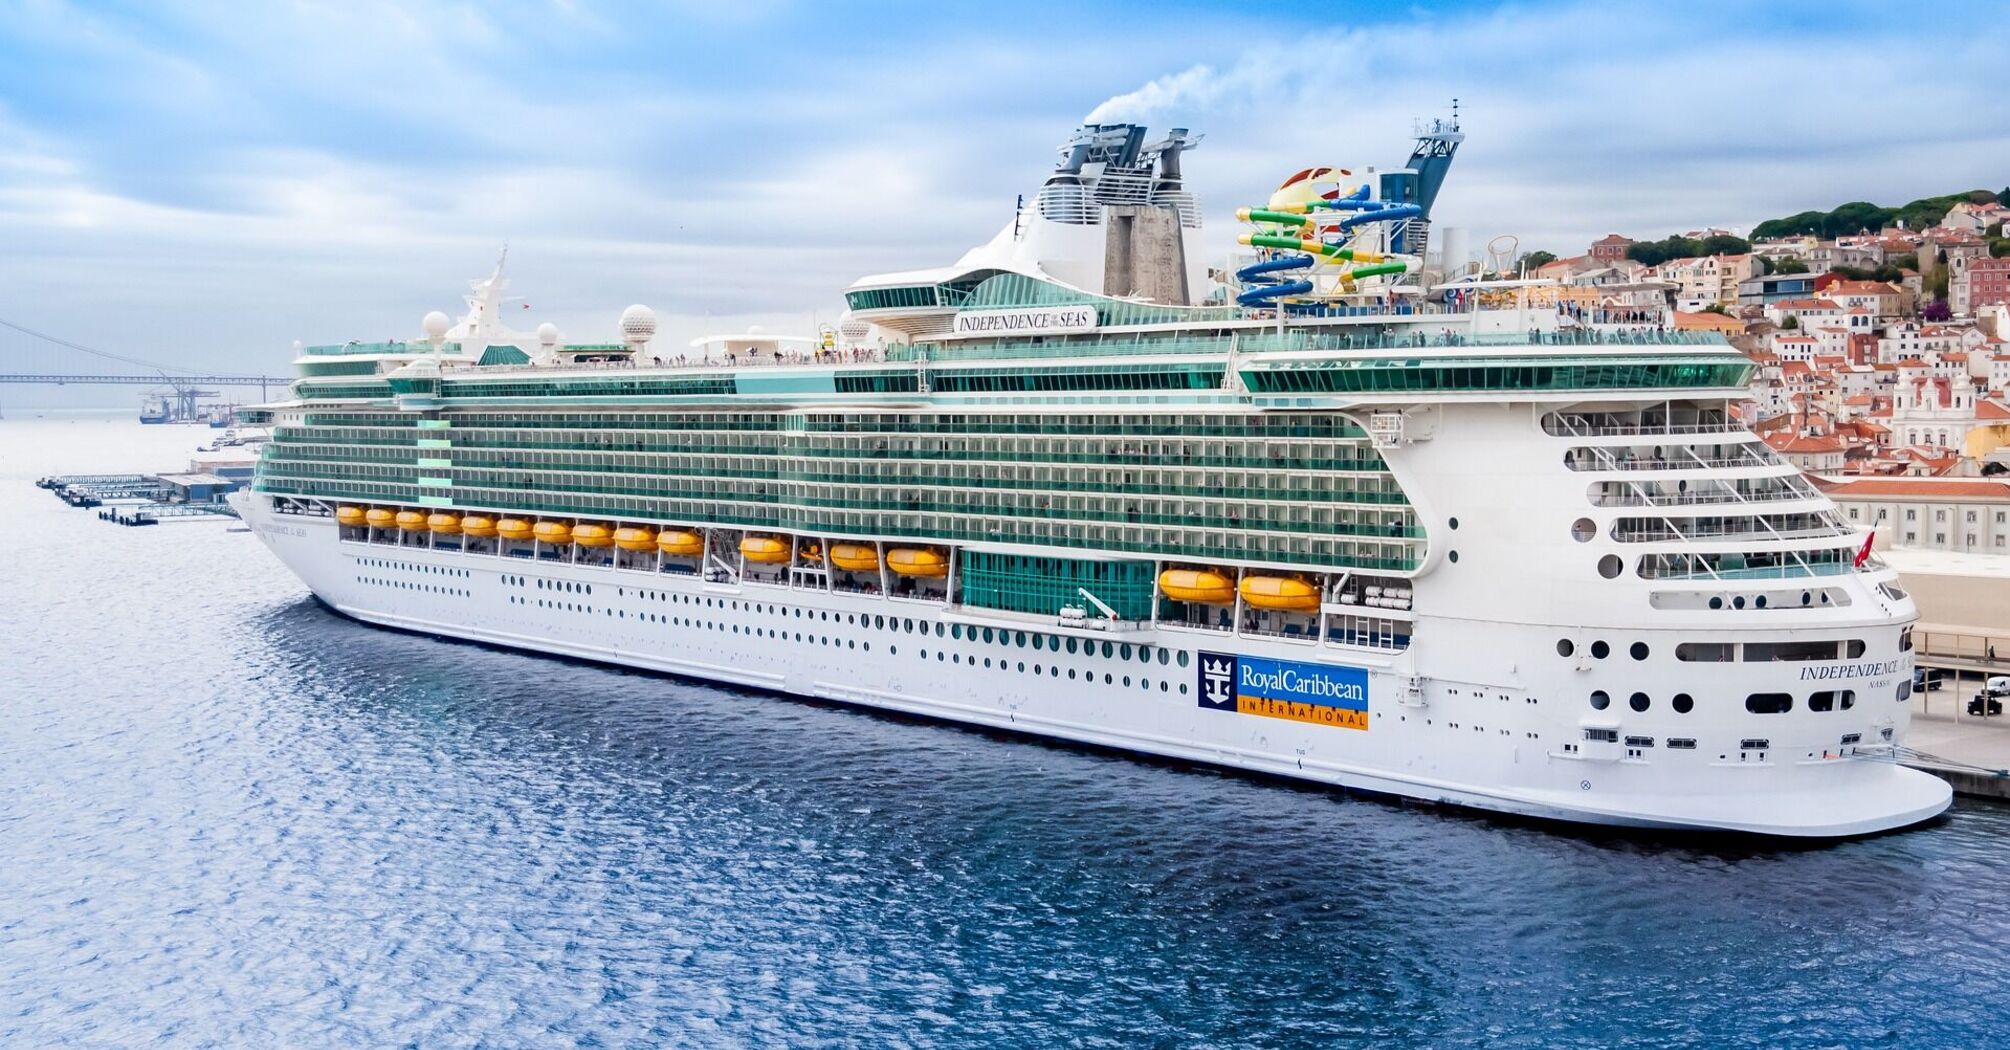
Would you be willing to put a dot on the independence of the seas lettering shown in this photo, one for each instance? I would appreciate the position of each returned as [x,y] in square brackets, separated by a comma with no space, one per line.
[1322,694]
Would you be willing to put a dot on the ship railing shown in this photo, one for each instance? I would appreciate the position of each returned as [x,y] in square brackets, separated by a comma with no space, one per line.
[1651,535]
[1603,424]
[1762,520]
[858,356]
[1716,492]
[1751,457]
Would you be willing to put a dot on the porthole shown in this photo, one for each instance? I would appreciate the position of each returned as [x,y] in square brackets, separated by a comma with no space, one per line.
[1565,647]
[1637,701]
[1583,530]
[1454,523]
[1600,700]
[1683,703]
[1600,650]
[1639,650]
[1071,674]
[1163,657]
[1182,657]
[1454,556]
[1610,566]
[1071,646]
[1738,602]
[1716,602]
[1759,602]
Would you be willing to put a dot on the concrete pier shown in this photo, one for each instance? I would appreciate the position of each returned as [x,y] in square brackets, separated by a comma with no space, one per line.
[1942,728]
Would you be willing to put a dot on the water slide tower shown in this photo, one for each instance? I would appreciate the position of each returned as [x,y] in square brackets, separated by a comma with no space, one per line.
[1418,182]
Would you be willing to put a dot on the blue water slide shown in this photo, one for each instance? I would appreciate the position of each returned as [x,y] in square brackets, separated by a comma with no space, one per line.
[1390,213]
[1268,286]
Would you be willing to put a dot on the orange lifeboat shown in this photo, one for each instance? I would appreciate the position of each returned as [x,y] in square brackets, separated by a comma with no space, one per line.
[593,536]
[1197,585]
[764,549]
[854,557]
[479,526]
[411,521]
[1283,593]
[514,529]
[630,538]
[443,523]
[349,515]
[680,544]
[917,561]
[556,533]
[381,518]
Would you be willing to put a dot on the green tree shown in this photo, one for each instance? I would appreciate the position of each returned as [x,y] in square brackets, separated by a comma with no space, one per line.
[1792,321]
[1790,264]
[1725,244]
[1856,217]
[1537,258]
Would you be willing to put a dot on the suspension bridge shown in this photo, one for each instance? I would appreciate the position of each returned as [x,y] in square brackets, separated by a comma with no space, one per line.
[178,387]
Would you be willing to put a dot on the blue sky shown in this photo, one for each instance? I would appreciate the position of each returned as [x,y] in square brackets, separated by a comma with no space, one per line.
[204,183]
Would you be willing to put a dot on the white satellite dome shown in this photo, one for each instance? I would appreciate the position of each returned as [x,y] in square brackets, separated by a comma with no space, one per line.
[435,325]
[547,334]
[638,324]
[757,329]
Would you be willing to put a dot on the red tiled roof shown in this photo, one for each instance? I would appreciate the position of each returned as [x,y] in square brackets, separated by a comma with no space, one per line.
[1924,488]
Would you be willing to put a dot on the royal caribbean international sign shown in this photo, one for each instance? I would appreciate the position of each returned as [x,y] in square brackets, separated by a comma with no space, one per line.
[1322,694]
[1037,320]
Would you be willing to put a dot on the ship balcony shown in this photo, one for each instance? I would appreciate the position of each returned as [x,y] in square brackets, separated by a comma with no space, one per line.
[1595,458]
[1646,423]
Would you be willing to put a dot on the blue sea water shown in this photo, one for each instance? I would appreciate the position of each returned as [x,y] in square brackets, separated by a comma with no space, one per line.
[231,818]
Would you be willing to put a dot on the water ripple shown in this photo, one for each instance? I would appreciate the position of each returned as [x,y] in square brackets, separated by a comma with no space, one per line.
[228,817]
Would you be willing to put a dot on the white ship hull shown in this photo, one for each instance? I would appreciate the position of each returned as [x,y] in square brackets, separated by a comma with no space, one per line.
[1515,750]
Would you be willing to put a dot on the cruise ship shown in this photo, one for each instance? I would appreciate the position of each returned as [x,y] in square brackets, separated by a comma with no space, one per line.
[1334,511]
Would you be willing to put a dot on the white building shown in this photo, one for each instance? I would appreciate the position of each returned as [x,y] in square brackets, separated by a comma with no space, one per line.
[1953,514]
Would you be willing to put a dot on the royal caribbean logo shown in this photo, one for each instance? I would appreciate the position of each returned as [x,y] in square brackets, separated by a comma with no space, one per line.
[1322,694]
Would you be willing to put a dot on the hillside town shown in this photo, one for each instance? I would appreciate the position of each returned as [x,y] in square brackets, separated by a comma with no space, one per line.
[1884,357]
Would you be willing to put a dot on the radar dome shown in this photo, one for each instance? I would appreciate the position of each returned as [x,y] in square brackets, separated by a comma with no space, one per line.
[638,324]
[547,333]
[436,325]
[757,329]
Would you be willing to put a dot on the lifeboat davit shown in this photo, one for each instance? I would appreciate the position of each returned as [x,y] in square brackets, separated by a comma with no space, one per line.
[1197,585]
[480,526]
[556,533]
[680,544]
[854,557]
[443,523]
[411,521]
[765,549]
[514,529]
[1279,592]
[630,538]
[350,515]
[380,518]
[917,561]
[593,536]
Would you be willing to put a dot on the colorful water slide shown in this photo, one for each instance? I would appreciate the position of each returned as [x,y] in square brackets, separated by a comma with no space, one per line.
[1263,286]
[1298,238]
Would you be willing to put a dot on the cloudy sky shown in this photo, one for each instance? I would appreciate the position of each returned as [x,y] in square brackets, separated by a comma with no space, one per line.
[203,183]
